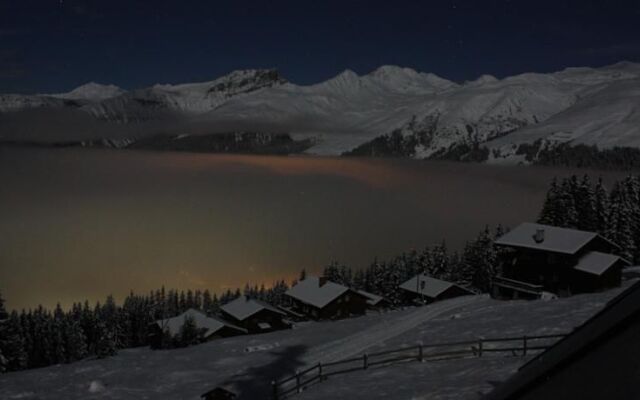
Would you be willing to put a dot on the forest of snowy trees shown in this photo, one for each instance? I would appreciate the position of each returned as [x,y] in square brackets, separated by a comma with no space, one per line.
[615,214]
[41,337]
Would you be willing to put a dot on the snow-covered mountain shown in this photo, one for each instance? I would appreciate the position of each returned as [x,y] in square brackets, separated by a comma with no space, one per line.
[391,110]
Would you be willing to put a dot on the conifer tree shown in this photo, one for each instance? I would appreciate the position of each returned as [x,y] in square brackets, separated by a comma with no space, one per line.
[585,201]
[12,344]
[602,206]
[621,224]
[189,332]
[551,208]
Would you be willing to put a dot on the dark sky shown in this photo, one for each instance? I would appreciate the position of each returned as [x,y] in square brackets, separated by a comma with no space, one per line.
[55,45]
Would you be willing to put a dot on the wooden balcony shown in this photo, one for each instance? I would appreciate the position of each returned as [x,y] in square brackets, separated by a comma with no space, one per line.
[518,286]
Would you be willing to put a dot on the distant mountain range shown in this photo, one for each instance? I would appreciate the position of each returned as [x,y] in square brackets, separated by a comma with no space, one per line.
[390,111]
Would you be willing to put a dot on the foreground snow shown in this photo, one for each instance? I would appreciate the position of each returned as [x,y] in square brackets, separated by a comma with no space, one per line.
[251,362]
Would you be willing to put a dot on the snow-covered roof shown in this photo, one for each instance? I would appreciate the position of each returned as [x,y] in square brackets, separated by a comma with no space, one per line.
[244,307]
[428,286]
[372,299]
[309,291]
[596,263]
[212,325]
[558,240]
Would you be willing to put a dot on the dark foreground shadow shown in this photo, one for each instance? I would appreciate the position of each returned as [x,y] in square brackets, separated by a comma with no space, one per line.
[255,384]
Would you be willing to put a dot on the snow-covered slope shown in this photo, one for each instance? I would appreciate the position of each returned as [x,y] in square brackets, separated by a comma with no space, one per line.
[390,111]
[608,118]
[247,364]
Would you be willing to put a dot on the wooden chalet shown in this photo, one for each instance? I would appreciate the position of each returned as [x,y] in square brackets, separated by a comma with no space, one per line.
[425,289]
[210,327]
[375,302]
[254,315]
[598,360]
[318,298]
[219,393]
[557,260]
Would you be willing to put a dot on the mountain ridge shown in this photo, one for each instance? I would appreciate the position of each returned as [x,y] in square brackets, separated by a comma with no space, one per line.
[423,113]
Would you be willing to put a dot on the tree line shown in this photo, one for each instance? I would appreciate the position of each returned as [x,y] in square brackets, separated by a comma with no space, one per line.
[41,337]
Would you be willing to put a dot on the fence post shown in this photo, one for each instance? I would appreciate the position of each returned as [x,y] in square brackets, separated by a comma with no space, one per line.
[420,354]
[365,361]
[480,348]
[524,345]
[320,371]
[275,389]
[298,388]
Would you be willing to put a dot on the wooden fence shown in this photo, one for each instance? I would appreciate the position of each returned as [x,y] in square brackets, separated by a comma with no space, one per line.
[423,352]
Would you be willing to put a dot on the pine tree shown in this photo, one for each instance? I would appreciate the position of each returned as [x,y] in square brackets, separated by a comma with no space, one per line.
[551,209]
[332,272]
[439,261]
[58,342]
[585,201]
[602,206]
[75,340]
[12,344]
[189,332]
[106,343]
[567,202]
[480,257]
[207,302]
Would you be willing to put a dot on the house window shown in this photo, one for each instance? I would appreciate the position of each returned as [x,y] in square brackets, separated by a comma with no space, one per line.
[346,298]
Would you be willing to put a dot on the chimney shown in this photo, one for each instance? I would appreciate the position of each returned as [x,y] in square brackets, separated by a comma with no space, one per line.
[539,236]
[321,281]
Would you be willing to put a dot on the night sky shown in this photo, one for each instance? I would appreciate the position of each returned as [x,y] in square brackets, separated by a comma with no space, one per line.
[55,45]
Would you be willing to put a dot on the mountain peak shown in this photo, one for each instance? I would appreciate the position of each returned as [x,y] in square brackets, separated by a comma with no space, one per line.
[408,79]
[92,91]
[483,80]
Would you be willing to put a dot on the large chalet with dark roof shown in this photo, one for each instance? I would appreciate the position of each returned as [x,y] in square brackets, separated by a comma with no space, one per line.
[318,298]
[544,258]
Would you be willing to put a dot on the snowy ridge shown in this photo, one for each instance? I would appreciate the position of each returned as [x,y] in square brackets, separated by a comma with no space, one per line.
[349,112]
[92,92]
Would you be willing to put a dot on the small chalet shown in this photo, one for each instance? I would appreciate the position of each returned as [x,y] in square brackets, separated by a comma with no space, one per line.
[598,360]
[423,288]
[557,260]
[375,302]
[218,393]
[211,327]
[319,298]
[254,315]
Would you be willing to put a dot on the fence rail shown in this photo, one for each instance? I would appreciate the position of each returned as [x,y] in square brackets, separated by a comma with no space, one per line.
[421,352]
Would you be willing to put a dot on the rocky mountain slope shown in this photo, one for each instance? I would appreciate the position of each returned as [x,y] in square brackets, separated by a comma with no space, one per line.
[390,111]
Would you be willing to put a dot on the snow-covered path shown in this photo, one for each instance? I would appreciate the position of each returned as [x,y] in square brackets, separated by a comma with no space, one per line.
[357,343]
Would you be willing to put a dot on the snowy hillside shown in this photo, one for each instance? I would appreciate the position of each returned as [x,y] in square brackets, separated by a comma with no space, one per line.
[248,363]
[390,111]
[607,118]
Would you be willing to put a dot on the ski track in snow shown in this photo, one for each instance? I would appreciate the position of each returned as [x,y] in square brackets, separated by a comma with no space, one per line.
[359,342]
